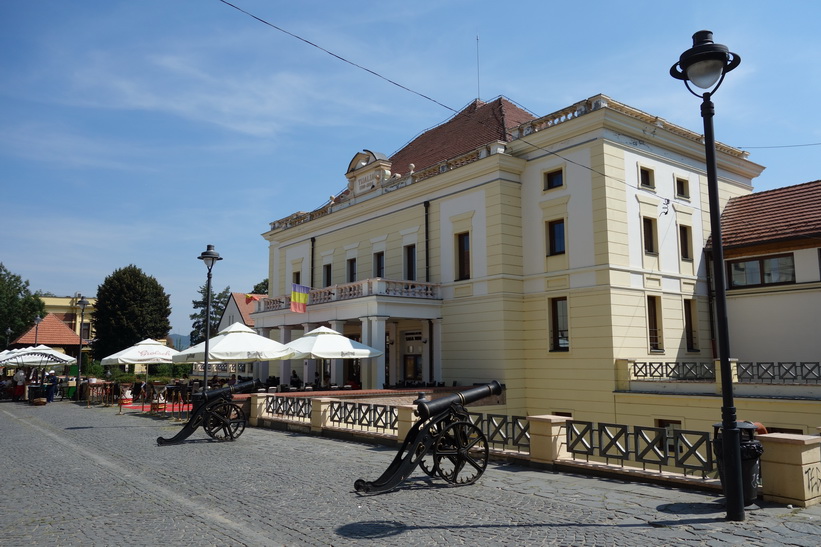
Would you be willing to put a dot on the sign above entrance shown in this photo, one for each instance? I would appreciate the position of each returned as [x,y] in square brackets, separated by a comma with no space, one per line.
[367,171]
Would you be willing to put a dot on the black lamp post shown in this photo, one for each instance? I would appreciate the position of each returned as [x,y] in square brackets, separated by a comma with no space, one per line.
[705,65]
[82,303]
[37,321]
[209,258]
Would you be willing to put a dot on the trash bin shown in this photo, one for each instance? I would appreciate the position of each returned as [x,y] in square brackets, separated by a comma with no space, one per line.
[751,451]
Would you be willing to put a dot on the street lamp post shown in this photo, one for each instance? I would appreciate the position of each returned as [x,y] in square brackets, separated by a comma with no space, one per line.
[8,336]
[37,321]
[82,303]
[209,258]
[705,65]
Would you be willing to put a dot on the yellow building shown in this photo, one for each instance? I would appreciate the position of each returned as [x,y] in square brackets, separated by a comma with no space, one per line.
[561,255]
[69,312]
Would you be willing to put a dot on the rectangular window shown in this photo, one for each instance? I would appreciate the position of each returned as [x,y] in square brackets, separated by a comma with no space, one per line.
[555,237]
[351,270]
[379,264]
[685,238]
[410,262]
[654,323]
[327,278]
[295,277]
[682,188]
[463,256]
[650,241]
[559,339]
[771,270]
[690,329]
[553,179]
[646,178]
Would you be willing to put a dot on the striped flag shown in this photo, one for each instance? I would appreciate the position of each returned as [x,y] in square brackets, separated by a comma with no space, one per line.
[251,298]
[299,298]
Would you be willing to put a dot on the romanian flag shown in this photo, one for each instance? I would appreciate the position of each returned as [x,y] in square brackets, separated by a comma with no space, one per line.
[251,297]
[299,297]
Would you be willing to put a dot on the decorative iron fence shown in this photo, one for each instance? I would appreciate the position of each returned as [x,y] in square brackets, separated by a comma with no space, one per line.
[504,432]
[293,407]
[689,451]
[364,416]
[685,370]
[779,372]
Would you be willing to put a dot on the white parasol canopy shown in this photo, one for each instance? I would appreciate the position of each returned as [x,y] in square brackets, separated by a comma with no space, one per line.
[147,352]
[36,356]
[235,344]
[325,343]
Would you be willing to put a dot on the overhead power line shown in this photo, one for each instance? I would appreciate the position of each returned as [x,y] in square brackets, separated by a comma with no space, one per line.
[431,99]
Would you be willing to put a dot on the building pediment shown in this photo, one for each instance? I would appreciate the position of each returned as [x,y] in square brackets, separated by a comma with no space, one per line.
[367,171]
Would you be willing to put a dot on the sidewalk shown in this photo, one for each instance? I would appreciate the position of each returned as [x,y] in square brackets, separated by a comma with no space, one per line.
[78,475]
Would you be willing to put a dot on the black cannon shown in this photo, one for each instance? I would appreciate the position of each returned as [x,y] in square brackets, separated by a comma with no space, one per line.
[444,443]
[214,411]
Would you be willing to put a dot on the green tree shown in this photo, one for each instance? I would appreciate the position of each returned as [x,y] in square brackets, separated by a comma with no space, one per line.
[18,306]
[218,303]
[131,306]
[261,287]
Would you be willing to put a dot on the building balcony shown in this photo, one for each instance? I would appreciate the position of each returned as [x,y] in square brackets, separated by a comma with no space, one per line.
[411,299]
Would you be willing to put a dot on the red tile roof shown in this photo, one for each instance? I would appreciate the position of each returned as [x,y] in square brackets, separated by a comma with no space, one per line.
[51,332]
[247,305]
[788,213]
[477,124]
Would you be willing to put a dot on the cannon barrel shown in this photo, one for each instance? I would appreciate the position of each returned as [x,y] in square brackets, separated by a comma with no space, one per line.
[427,409]
[223,392]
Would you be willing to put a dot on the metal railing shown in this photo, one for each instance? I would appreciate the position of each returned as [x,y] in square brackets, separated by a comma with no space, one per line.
[504,432]
[687,451]
[766,372]
[802,372]
[364,416]
[298,408]
[684,370]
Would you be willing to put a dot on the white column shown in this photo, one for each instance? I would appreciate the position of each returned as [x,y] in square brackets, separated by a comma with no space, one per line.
[261,368]
[378,342]
[338,365]
[308,365]
[284,365]
[435,338]
[426,342]
[373,334]
[393,330]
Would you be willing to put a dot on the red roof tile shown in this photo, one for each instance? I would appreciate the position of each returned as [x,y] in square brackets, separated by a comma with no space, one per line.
[246,306]
[51,332]
[477,124]
[787,213]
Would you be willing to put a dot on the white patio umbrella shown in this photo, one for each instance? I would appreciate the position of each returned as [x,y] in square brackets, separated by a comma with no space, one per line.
[149,351]
[36,356]
[236,344]
[325,343]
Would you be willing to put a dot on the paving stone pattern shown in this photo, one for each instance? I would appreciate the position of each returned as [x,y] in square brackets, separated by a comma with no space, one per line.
[89,476]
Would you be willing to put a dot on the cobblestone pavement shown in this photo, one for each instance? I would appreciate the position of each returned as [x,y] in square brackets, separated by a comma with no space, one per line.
[88,476]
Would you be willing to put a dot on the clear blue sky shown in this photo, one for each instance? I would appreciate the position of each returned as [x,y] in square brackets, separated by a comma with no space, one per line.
[138,132]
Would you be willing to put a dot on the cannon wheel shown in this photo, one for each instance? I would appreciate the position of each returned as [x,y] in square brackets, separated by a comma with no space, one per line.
[225,422]
[460,453]
[426,462]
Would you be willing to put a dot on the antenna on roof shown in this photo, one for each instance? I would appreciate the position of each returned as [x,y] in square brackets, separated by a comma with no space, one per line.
[478,94]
